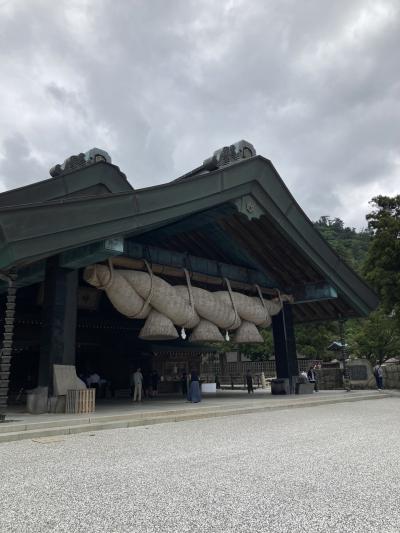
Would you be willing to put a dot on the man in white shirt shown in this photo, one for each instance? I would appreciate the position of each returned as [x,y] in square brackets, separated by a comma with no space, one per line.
[137,383]
[93,379]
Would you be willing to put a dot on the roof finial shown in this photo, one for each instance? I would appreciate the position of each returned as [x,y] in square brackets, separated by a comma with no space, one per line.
[74,162]
[230,154]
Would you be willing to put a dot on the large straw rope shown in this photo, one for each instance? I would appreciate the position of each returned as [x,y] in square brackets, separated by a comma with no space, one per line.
[121,294]
[164,299]
[134,293]
[248,308]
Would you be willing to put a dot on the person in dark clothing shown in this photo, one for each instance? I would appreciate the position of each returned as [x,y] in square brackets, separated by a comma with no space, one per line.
[155,378]
[378,373]
[184,386]
[146,384]
[194,393]
[313,377]
[249,382]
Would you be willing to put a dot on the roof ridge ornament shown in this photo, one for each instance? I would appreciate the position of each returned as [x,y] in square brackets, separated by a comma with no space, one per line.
[74,162]
[230,154]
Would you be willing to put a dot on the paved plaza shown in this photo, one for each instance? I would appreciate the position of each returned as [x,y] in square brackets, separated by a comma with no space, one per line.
[329,468]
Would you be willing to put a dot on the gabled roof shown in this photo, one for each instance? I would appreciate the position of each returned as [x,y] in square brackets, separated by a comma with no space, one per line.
[242,213]
[99,178]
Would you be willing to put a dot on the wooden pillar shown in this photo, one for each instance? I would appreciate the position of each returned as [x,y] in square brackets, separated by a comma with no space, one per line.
[285,344]
[59,317]
[6,352]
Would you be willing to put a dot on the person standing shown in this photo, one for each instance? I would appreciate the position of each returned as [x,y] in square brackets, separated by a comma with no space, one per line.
[313,377]
[194,393]
[249,382]
[93,382]
[137,383]
[146,389]
[378,373]
[184,387]
[155,378]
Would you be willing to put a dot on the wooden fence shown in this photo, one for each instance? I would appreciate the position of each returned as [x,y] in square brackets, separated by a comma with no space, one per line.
[234,373]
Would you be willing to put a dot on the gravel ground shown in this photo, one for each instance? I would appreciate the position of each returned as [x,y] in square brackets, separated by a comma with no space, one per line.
[333,468]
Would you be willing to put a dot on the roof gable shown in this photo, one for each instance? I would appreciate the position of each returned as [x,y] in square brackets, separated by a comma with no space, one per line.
[252,205]
[98,178]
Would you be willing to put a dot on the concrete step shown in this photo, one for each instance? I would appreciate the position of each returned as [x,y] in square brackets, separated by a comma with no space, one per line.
[78,420]
[20,431]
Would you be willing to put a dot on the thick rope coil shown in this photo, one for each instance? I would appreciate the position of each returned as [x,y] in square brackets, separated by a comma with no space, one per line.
[279,297]
[261,296]
[108,283]
[189,286]
[150,295]
[235,321]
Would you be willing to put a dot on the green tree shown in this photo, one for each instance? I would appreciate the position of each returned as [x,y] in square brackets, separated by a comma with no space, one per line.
[349,244]
[260,352]
[256,352]
[382,266]
[378,337]
[312,340]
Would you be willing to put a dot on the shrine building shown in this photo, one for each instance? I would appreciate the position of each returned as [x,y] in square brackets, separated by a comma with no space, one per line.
[230,227]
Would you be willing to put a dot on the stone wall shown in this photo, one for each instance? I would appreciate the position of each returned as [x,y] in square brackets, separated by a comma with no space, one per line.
[361,374]
[330,378]
[391,376]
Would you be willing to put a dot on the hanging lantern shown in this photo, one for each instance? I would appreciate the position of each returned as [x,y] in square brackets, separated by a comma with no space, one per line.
[158,327]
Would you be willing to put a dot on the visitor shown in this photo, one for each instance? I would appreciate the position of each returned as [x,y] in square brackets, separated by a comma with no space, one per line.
[313,377]
[146,384]
[378,373]
[303,377]
[93,382]
[93,379]
[184,384]
[137,381]
[249,382]
[155,378]
[194,392]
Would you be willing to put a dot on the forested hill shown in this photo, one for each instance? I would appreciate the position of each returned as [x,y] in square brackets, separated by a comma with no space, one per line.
[351,245]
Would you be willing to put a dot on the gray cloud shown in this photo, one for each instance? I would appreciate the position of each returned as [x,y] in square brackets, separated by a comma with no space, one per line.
[18,162]
[160,85]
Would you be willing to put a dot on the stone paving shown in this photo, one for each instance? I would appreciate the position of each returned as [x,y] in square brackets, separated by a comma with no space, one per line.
[123,414]
[332,468]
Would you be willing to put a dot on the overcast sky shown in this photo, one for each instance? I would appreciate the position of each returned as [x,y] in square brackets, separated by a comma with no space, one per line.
[161,84]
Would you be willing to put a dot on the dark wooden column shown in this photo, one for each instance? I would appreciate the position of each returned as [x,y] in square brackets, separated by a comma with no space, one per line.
[6,352]
[59,316]
[285,344]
